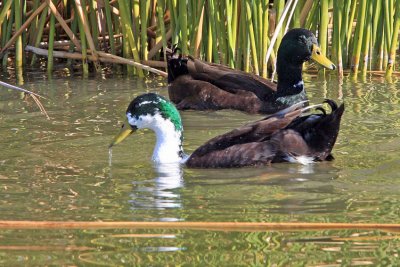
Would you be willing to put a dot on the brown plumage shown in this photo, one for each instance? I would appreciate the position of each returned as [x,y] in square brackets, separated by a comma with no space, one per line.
[214,86]
[199,85]
[284,136]
[288,135]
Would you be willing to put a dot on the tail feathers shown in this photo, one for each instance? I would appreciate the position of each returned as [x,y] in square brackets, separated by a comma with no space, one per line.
[326,130]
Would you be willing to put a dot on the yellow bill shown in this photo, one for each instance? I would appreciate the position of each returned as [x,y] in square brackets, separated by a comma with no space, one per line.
[125,131]
[320,58]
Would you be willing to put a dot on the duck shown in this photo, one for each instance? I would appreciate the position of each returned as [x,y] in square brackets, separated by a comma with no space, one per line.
[289,135]
[198,85]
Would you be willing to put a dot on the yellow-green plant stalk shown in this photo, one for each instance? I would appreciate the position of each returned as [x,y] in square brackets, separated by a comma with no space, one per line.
[234,24]
[183,25]
[34,24]
[343,30]
[160,18]
[18,42]
[358,36]
[136,23]
[388,24]
[39,32]
[93,23]
[279,5]
[252,39]
[394,41]
[256,27]
[109,23]
[200,35]
[144,9]
[296,16]
[209,49]
[129,33]
[172,7]
[376,39]
[223,42]
[260,32]
[50,59]
[265,39]
[231,41]
[349,31]
[85,67]
[6,6]
[74,29]
[244,41]
[323,25]
[7,36]
[213,29]
[240,41]
[312,15]
[336,43]
[366,38]
[4,31]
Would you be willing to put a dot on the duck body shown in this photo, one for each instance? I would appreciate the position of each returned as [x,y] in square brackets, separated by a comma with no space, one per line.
[286,136]
[195,84]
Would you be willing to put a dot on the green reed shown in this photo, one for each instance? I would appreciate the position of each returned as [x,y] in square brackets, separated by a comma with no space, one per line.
[356,34]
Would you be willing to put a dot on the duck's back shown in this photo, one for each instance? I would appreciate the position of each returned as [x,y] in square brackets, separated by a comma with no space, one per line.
[282,137]
[199,85]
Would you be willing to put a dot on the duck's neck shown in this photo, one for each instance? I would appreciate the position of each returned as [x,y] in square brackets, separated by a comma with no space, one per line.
[168,147]
[290,80]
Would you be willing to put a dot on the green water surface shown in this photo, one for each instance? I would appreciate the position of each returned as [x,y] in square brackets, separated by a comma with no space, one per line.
[59,170]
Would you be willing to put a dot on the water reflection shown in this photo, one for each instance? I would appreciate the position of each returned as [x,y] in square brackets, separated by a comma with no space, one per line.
[160,193]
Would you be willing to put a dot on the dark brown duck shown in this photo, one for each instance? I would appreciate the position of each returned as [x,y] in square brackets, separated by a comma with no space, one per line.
[286,136]
[195,84]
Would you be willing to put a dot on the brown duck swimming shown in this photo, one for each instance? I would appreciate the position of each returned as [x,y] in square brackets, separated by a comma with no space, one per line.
[286,136]
[195,84]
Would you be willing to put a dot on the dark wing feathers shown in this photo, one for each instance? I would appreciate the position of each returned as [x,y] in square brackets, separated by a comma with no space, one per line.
[194,84]
[188,93]
[234,146]
[231,80]
[273,139]
[254,153]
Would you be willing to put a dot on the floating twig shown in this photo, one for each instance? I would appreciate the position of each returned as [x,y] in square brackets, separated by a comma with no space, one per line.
[207,226]
[32,94]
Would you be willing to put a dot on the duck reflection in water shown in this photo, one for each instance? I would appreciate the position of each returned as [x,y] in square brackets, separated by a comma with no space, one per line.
[162,193]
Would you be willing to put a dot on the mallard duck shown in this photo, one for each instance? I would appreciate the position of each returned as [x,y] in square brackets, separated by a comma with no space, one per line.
[195,84]
[286,136]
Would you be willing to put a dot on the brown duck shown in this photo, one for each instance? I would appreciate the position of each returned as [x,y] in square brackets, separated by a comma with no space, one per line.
[195,84]
[286,136]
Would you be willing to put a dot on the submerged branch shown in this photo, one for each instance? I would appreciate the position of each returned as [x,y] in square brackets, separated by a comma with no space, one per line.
[32,94]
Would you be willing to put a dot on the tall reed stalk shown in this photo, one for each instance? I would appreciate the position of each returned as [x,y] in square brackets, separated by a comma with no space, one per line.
[243,34]
[394,41]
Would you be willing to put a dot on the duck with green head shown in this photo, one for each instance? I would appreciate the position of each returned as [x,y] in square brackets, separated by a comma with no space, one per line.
[195,84]
[286,136]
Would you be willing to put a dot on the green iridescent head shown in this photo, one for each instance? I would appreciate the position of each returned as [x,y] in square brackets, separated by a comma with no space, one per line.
[150,111]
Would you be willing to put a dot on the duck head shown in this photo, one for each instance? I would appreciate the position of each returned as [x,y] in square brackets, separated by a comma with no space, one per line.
[301,45]
[154,112]
[297,47]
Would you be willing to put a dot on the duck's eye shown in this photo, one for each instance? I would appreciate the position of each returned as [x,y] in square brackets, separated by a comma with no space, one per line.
[123,125]
[318,52]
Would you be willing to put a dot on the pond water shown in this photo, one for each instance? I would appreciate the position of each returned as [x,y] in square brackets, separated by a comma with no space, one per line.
[59,170]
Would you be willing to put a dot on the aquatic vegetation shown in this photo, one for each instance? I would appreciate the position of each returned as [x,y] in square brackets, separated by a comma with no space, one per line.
[360,35]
